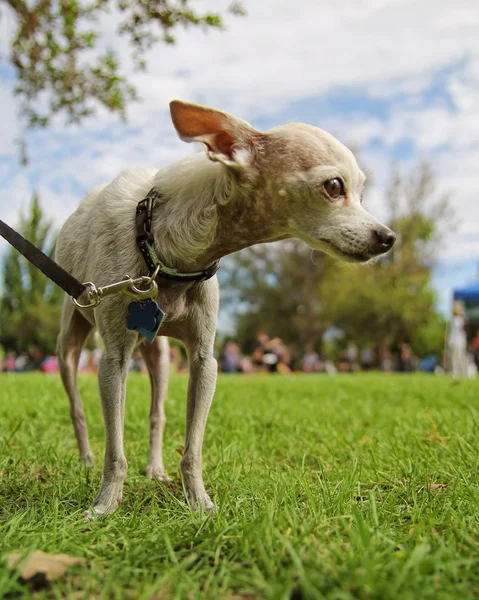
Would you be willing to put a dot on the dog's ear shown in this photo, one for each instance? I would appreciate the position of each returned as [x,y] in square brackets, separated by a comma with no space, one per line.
[226,138]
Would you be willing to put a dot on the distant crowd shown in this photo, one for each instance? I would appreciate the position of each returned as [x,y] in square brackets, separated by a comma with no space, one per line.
[273,356]
[269,355]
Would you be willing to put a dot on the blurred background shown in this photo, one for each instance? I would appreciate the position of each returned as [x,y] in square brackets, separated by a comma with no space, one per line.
[84,92]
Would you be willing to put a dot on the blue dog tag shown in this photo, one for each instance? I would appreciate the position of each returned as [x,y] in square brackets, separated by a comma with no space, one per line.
[145,317]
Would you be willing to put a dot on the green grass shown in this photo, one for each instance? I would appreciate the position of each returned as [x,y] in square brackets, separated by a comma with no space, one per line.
[326,488]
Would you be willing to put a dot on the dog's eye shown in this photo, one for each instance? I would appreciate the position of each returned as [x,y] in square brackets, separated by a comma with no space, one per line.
[334,188]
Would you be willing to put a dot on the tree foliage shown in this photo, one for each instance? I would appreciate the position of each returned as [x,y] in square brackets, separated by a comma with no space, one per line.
[297,294]
[30,304]
[59,56]
[276,287]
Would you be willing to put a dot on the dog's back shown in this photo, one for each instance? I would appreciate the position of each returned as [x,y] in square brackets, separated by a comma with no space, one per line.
[103,225]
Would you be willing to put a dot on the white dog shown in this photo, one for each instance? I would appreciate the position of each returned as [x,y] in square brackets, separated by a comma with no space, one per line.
[294,180]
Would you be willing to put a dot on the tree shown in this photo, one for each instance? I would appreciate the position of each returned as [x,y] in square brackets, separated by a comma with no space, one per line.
[30,305]
[274,287]
[56,51]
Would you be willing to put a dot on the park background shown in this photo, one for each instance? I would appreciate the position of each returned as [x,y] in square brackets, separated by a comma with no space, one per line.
[353,486]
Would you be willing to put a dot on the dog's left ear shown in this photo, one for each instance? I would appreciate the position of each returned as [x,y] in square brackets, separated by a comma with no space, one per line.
[226,138]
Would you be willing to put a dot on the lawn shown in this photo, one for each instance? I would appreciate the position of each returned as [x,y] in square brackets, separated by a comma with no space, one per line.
[361,486]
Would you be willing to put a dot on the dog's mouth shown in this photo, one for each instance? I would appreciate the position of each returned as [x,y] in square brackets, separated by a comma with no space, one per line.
[352,257]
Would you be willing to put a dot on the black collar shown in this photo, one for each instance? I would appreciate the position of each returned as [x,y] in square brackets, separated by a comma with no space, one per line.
[144,242]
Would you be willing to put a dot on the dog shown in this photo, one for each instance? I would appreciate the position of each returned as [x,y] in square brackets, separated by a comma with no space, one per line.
[250,187]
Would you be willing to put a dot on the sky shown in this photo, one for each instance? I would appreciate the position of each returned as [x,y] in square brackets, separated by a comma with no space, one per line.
[397,80]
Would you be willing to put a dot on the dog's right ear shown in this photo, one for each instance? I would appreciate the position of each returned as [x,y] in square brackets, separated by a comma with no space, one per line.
[226,138]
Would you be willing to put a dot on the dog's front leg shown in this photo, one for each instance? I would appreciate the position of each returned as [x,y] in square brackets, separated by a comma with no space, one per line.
[201,387]
[112,374]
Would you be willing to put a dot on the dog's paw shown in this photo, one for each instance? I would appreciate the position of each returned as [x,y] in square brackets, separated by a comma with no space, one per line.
[156,473]
[91,515]
[88,459]
[202,503]
[99,510]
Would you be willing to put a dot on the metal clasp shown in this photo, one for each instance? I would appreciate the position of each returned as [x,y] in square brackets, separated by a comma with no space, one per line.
[127,286]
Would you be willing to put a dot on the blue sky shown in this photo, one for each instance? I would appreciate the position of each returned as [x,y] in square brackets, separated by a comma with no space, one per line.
[395,79]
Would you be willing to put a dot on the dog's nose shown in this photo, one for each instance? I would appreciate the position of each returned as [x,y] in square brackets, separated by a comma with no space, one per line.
[384,239]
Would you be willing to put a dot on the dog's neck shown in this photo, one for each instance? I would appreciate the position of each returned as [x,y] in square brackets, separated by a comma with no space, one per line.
[206,213]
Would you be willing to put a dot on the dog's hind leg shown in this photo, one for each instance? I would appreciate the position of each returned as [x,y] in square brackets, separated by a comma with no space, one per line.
[74,330]
[157,359]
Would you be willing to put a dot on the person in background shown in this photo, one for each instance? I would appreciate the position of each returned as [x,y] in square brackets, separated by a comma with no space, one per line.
[261,347]
[136,363]
[50,365]
[245,365]
[386,359]
[9,362]
[475,348]
[22,363]
[175,358]
[367,358]
[270,359]
[83,360]
[283,355]
[457,340]
[310,362]
[343,363]
[231,357]
[352,356]
[406,359]
[94,360]
[36,359]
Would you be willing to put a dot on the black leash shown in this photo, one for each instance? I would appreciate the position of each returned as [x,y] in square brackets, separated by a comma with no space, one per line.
[47,266]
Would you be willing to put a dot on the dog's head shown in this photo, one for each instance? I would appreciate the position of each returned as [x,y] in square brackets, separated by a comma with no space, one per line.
[310,177]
